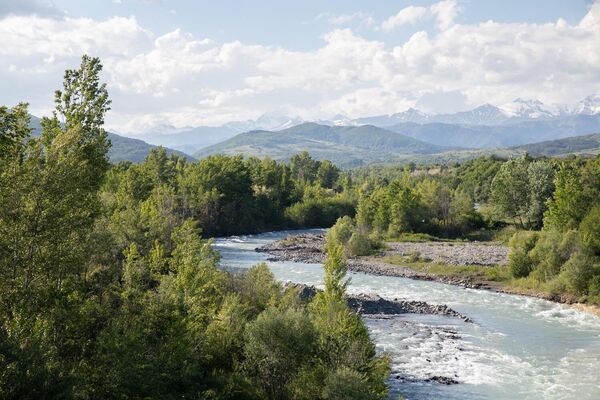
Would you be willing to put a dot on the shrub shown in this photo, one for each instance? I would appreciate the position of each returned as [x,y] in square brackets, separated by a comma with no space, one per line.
[589,230]
[577,272]
[276,346]
[359,245]
[341,232]
[319,213]
[520,263]
[594,289]
[345,383]
[547,256]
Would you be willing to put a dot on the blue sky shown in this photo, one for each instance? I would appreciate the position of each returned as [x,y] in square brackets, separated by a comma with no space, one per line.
[299,24]
[191,63]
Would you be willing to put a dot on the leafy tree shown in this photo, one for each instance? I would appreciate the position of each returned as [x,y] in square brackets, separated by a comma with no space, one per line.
[327,174]
[510,191]
[569,203]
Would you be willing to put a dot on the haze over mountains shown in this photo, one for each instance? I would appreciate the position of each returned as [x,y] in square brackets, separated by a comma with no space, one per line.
[517,123]
[344,145]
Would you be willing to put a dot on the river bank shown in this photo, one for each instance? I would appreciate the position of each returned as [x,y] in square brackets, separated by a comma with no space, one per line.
[517,347]
[469,265]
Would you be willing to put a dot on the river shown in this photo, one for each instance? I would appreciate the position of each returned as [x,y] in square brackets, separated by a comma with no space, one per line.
[517,348]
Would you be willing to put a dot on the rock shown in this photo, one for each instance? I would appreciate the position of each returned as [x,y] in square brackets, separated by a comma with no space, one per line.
[443,380]
[376,306]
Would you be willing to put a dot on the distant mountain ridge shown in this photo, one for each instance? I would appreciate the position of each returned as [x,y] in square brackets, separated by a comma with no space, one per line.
[518,122]
[508,135]
[581,145]
[344,145]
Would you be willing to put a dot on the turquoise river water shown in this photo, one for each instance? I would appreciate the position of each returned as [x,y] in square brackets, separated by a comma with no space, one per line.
[517,348]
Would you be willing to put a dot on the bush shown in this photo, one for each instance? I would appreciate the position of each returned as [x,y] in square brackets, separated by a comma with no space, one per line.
[551,251]
[577,272]
[520,263]
[594,289]
[589,230]
[345,383]
[276,346]
[359,245]
[318,213]
[341,232]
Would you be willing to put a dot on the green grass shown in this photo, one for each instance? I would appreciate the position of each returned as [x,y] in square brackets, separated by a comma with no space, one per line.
[496,273]
[419,238]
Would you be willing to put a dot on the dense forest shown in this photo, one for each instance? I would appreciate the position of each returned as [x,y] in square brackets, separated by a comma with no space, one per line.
[108,289]
[548,208]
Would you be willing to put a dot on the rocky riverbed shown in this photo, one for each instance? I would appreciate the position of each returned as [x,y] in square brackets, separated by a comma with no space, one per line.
[308,248]
[373,305]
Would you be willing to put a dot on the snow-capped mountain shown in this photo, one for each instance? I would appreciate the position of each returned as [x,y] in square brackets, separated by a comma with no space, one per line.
[532,109]
[486,114]
[271,122]
[525,118]
[588,106]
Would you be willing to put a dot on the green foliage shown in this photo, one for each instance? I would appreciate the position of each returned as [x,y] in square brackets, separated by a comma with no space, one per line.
[107,288]
[557,261]
[352,238]
[520,190]
[590,230]
[276,346]
[520,263]
[578,271]
[569,202]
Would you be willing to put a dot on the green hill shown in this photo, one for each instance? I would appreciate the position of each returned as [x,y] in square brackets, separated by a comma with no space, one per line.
[345,145]
[122,149]
[589,144]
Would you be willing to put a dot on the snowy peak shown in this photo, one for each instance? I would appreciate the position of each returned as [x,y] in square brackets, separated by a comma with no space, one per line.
[486,114]
[271,122]
[588,106]
[530,109]
[411,115]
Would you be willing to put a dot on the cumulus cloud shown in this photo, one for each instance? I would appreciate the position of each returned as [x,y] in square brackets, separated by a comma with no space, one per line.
[444,13]
[180,79]
[408,15]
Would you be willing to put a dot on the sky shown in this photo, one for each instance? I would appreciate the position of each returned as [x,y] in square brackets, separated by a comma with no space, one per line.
[193,63]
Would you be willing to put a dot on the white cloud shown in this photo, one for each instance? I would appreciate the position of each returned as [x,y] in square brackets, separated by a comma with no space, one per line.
[408,15]
[180,79]
[445,12]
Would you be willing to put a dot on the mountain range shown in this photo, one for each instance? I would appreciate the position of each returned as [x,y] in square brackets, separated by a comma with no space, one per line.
[516,123]
[344,145]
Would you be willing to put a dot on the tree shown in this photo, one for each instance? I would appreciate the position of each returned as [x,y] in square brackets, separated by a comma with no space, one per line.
[335,271]
[510,191]
[303,167]
[569,203]
[327,174]
[540,176]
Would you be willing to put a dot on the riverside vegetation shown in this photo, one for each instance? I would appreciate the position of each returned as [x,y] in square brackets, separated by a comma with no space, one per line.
[109,285]
[108,290]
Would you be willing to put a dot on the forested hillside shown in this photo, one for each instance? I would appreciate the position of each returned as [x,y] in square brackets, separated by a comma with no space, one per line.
[343,145]
[589,144]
